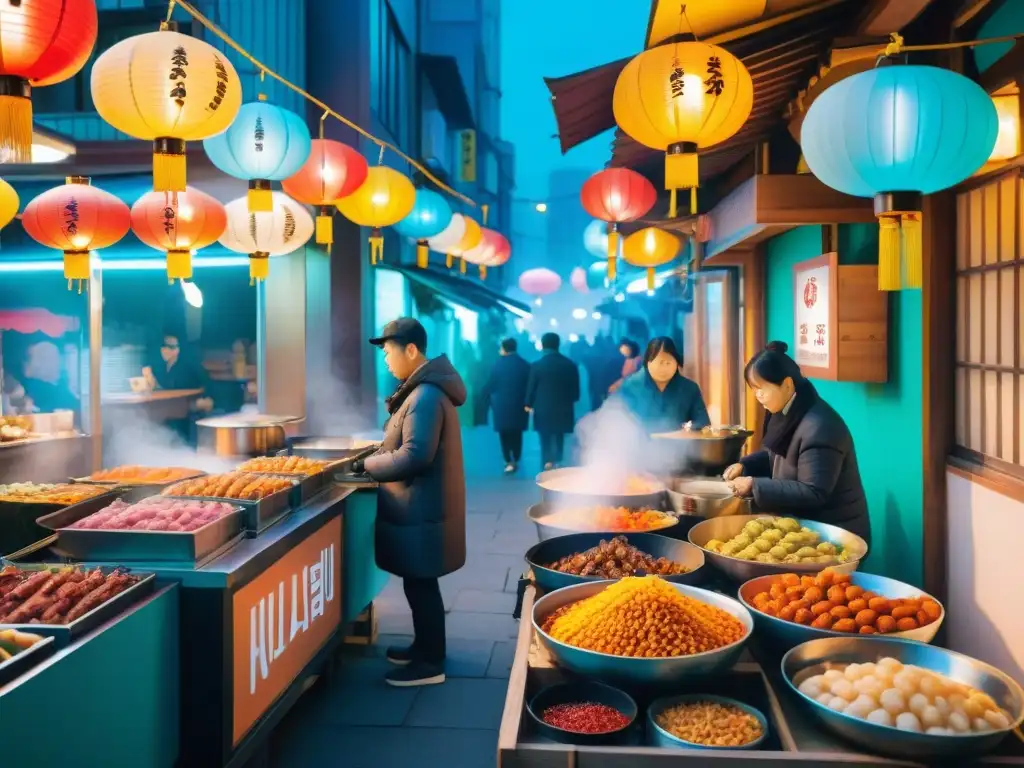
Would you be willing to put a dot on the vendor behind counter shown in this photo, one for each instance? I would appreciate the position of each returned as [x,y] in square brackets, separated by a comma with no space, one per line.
[172,367]
[659,396]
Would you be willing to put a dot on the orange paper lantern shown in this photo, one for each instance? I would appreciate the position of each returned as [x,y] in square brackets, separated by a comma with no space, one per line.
[332,171]
[650,247]
[76,218]
[178,224]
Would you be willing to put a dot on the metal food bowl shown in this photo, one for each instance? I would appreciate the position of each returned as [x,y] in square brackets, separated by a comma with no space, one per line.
[538,512]
[724,528]
[630,671]
[812,657]
[787,634]
[659,737]
[705,497]
[689,452]
[551,550]
[568,487]
[578,692]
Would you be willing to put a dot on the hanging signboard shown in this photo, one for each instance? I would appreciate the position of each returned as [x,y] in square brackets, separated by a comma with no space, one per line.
[467,155]
[815,295]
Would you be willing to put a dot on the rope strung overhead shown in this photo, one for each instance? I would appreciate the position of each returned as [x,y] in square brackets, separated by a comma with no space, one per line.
[265,70]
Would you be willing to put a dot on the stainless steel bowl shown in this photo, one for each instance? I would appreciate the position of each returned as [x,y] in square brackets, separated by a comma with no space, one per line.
[570,487]
[638,671]
[659,737]
[812,657]
[705,497]
[724,528]
[787,634]
[551,550]
[539,512]
[685,452]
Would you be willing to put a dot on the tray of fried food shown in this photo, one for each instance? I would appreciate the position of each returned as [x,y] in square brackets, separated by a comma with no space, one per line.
[134,474]
[285,465]
[68,601]
[57,494]
[243,486]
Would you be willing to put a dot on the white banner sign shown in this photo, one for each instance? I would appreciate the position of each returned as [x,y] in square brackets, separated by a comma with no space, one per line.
[812,317]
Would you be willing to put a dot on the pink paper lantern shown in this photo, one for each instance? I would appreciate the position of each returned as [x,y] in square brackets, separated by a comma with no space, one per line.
[578,280]
[539,282]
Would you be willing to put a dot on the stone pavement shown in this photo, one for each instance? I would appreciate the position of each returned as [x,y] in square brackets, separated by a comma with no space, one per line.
[355,720]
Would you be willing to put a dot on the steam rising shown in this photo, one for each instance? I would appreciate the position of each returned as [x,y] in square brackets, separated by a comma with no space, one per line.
[130,437]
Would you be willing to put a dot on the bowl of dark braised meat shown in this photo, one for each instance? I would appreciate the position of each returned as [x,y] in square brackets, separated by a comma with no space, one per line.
[583,557]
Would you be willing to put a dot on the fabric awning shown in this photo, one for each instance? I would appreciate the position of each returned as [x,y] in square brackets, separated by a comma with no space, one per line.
[461,290]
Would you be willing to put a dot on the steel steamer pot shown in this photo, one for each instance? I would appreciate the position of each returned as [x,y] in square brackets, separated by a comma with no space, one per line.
[246,435]
[685,453]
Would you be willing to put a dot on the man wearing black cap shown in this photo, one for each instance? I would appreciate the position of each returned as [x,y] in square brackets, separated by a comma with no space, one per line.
[421,504]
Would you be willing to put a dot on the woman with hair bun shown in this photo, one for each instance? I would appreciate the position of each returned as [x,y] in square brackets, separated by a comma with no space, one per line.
[808,466]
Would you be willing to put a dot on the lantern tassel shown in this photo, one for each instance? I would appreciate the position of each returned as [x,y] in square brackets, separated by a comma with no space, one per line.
[324,227]
[888,253]
[613,252]
[261,199]
[76,269]
[448,260]
[672,209]
[259,267]
[422,254]
[681,172]
[179,265]
[16,128]
[912,251]
[462,266]
[483,271]
[650,278]
[169,168]
[376,246]
[693,201]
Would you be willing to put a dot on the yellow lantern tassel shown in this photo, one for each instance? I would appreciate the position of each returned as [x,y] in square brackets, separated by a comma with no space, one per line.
[259,267]
[650,278]
[448,260]
[169,165]
[422,254]
[15,120]
[483,271]
[613,251]
[483,210]
[179,265]
[261,199]
[888,253]
[76,268]
[693,201]
[681,172]
[672,210]
[325,226]
[913,256]
[462,266]
[376,246]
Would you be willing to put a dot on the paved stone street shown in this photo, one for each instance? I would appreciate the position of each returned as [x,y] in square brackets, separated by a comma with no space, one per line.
[355,720]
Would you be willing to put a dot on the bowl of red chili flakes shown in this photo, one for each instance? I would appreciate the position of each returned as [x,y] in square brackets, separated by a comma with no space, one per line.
[583,712]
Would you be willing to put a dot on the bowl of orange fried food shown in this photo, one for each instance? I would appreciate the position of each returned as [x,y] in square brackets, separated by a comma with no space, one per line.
[559,521]
[790,609]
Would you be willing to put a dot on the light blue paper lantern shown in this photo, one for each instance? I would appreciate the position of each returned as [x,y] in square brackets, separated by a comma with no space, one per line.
[265,143]
[597,274]
[429,216]
[595,240]
[895,133]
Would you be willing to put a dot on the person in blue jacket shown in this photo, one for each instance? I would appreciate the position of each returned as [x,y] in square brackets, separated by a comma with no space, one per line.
[506,392]
[659,396]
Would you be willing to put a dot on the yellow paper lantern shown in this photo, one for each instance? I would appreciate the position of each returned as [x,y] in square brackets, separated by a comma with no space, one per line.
[470,239]
[650,247]
[681,98]
[167,88]
[9,203]
[385,198]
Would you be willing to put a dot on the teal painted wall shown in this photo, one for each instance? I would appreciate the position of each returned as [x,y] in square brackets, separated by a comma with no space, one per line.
[885,419]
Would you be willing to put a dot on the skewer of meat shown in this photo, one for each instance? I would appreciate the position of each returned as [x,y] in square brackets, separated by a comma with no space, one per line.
[94,599]
[40,601]
[29,587]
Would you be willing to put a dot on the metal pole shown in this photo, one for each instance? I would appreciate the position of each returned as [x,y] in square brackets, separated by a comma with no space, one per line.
[261,346]
[95,299]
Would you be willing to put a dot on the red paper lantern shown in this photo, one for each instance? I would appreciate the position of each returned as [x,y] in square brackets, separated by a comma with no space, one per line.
[76,218]
[493,250]
[616,195]
[42,42]
[178,224]
[332,171]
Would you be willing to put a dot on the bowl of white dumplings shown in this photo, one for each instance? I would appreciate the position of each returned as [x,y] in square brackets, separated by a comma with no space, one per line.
[904,699]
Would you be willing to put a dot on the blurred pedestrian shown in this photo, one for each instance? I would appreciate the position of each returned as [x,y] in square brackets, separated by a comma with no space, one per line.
[506,392]
[551,394]
[630,350]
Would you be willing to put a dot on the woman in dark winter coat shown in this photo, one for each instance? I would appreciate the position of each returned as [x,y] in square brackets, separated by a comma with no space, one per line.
[808,467]
[660,397]
[551,393]
[506,391]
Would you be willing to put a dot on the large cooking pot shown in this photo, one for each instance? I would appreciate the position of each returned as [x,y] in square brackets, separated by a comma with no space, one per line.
[695,453]
[243,434]
[580,487]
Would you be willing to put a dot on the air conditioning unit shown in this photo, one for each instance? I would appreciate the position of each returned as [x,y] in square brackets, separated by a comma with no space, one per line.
[436,141]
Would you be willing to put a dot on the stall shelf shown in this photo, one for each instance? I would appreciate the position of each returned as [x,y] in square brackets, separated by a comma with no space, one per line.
[794,739]
[111,698]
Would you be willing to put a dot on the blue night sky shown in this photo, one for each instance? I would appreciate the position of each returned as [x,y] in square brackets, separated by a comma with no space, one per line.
[551,38]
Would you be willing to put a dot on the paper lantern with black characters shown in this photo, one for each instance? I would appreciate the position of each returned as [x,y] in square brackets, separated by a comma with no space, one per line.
[262,234]
[42,42]
[895,133]
[76,218]
[167,88]
[265,143]
[178,225]
[650,248]
[428,217]
[617,195]
[384,199]
[681,98]
[332,171]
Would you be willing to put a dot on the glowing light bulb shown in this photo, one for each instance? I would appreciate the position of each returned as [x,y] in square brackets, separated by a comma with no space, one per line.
[574,337]
[649,241]
[596,315]
[379,198]
[554,322]
[541,207]
[620,297]
[193,296]
[579,314]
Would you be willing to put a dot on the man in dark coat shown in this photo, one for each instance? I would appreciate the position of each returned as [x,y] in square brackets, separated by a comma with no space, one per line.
[421,503]
[506,390]
[551,393]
